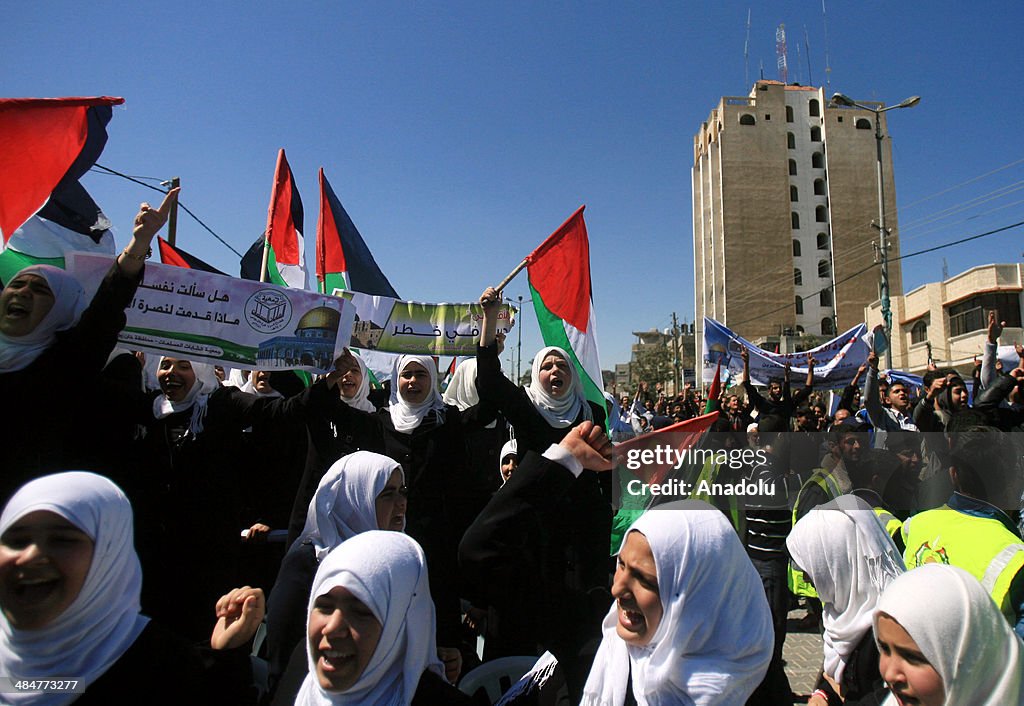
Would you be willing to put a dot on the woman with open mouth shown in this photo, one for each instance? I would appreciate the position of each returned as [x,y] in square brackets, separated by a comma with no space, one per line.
[361,492]
[48,329]
[70,585]
[943,642]
[690,623]
[371,628]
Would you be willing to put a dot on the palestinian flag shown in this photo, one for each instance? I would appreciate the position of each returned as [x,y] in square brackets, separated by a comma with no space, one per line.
[286,264]
[447,377]
[715,392]
[342,259]
[45,142]
[170,255]
[559,274]
[70,221]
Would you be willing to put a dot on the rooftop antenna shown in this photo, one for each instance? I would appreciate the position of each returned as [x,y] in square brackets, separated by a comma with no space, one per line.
[746,53]
[780,53]
[828,60]
[945,270]
[799,64]
[762,69]
[807,47]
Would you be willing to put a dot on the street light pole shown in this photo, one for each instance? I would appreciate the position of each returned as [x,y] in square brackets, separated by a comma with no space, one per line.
[883,232]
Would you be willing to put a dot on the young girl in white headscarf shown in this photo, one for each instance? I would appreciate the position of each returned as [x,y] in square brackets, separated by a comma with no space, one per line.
[371,628]
[361,492]
[690,623]
[49,337]
[850,559]
[943,642]
[70,583]
[542,414]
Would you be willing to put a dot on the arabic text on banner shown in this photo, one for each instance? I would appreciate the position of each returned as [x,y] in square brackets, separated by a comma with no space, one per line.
[186,313]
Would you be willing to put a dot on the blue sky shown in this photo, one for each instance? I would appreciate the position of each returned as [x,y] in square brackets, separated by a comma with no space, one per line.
[458,135]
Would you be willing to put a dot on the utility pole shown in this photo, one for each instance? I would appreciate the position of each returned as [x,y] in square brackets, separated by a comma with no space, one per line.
[519,346]
[675,354]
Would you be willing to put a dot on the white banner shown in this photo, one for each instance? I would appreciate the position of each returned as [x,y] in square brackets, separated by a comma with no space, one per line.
[198,315]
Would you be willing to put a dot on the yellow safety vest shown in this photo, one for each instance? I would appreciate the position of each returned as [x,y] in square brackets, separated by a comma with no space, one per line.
[893,525]
[730,508]
[798,583]
[982,546]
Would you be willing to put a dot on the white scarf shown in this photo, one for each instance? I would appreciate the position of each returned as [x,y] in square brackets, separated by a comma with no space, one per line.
[18,352]
[511,448]
[206,383]
[406,416]
[562,411]
[715,638]
[461,391]
[961,632]
[361,400]
[344,504]
[387,571]
[104,620]
[844,548]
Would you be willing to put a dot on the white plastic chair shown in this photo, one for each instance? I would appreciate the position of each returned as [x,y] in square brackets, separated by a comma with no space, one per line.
[497,676]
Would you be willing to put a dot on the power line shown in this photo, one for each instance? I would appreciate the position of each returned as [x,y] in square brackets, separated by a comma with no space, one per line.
[185,208]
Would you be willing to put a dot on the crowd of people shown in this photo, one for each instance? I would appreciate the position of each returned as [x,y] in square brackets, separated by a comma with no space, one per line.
[243,537]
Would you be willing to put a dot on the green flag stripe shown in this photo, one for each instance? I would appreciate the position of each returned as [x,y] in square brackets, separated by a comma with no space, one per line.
[274,274]
[552,330]
[11,261]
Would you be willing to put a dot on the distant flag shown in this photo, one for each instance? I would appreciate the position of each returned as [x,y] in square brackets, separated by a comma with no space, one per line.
[559,274]
[715,392]
[170,255]
[286,262]
[46,142]
[342,259]
[447,377]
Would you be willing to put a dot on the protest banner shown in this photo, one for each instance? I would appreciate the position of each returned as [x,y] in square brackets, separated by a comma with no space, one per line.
[188,313]
[389,325]
[837,360]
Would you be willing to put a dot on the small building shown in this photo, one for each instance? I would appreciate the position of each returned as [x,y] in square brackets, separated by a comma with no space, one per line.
[312,343]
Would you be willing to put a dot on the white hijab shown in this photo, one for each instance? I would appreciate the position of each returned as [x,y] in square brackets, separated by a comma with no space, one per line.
[104,620]
[562,411]
[361,400]
[18,352]
[406,416]
[344,504]
[387,571]
[511,448]
[249,387]
[715,638]
[844,548]
[961,632]
[206,383]
[461,391]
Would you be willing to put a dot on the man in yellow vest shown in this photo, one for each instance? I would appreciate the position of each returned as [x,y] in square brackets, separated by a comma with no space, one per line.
[873,482]
[976,529]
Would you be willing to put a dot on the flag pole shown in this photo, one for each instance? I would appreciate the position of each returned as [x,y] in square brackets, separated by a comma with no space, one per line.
[511,276]
[266,257]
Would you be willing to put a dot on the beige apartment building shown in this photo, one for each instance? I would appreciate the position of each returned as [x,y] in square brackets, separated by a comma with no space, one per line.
[785,207]
[951,317]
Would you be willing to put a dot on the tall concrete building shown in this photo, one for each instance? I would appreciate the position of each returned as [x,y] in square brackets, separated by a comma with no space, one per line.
[785,211]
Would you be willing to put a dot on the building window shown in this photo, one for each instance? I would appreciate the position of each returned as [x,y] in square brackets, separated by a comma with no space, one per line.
[863,124]
[798,277]
[799,305]
[919,331]
[747,119]
[822,241]
[972,314]
[796,220]
[823,269]
[794,195]
[800,330]
[790,140]
[839,119]
[825,297]
[819,187]
[815,134]
[814,109]
[821,214]
[818,160]
[796,248]
[789,113]
[827,329]
[792,167]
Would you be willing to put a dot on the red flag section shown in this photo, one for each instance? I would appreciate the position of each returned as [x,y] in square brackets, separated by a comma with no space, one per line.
[559,270]
[169,255]
[40,138]
[715,391]
[283,231]
[651,448]
[330,256]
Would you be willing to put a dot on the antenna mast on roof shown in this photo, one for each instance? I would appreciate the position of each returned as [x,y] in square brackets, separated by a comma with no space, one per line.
[807,47]
[828,61]
[780,53]
[746,54]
